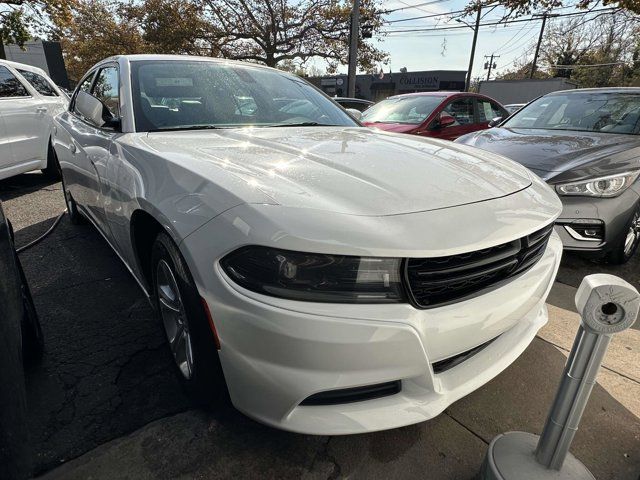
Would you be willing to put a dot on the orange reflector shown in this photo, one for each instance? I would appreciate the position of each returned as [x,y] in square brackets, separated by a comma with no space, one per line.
[211,325]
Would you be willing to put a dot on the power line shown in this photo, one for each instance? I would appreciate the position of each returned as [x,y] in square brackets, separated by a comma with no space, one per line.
[504,22]
[588,65]
[504,45]
[424,4]
[453,12]
[425,16]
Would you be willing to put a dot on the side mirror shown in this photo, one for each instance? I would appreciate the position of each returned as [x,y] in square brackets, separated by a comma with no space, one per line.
[495,121]
[91,109]
[443,120]
[357,114]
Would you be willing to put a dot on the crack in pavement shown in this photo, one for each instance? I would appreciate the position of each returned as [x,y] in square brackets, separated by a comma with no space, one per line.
[468,429]
[624,375]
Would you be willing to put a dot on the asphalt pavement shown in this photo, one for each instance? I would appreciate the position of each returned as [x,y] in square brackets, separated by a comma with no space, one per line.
[106,386]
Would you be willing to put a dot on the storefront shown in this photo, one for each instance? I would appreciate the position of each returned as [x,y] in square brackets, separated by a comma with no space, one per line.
[377,87]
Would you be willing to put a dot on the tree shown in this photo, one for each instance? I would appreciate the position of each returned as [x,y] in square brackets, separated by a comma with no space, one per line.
[516,8]
[596,53]
[521,71]
[18,17]
[96,30]
[274,32]
[101,28]
[171,26]
[285,34]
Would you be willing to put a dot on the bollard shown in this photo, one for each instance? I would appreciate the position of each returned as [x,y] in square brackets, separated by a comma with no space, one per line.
[607,305]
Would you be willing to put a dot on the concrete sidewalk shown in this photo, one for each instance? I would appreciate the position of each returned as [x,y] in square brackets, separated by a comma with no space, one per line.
[225,444]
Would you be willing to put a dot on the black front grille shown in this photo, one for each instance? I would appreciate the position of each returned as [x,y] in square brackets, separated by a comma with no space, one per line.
[355,394]
[438,281]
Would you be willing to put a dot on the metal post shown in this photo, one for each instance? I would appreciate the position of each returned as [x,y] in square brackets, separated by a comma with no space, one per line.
[467,84]
[608,305]
[604,308]
[535,57]
[353,48]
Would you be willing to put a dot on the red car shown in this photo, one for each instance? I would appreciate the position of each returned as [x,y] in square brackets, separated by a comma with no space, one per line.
[446,115]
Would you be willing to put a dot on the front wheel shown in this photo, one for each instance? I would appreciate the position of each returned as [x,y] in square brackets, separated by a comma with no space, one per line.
[52,170]
[75,217]
[189,336]
[628,242]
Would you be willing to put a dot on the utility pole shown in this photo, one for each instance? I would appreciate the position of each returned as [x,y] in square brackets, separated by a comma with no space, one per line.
[535,57]
[473,49]
[490,65]
[353,48]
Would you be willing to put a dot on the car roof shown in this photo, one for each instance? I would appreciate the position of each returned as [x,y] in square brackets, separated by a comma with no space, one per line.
[195,58]
[439,93]
[24,66]
[597,90]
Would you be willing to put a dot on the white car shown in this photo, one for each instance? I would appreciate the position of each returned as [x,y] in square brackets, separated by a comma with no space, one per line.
[346,280]
[28,102]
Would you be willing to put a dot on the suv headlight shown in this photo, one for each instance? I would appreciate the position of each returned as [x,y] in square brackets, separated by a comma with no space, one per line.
[609,186]
[315,277]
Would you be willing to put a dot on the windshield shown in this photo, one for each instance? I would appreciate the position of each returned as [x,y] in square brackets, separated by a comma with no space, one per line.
[411,110]
[176,94]
[590,112]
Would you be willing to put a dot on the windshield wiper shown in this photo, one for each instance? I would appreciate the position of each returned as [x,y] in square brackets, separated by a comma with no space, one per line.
[304,124]
[187,127]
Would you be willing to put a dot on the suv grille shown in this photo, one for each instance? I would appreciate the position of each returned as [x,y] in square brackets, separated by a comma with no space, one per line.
[439,281]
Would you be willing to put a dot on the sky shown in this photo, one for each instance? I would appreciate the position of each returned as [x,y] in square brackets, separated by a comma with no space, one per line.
[424,50]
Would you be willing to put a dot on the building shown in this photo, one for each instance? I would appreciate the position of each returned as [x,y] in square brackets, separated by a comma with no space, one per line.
[378,87]
[523,91]
[41,54]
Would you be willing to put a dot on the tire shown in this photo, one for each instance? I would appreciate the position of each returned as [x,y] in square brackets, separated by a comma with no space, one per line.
[32,338]
[628,242]
[52,171]
[200,372]
[75,217]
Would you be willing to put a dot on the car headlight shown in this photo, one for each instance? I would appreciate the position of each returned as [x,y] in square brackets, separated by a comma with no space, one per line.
[609,186]
[315,277]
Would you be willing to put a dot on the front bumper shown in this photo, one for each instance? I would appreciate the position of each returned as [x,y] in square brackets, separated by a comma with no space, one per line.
[612,215]
[277,352]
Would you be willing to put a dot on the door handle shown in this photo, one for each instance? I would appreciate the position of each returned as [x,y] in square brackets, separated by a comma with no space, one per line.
[41,109]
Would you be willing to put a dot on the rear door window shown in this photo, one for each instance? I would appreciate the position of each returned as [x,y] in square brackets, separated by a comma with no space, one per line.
[10,86]
[41,84]
[488,110]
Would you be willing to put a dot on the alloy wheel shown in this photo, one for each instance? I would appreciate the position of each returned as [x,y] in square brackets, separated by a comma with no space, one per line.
[174,318]
[633,235]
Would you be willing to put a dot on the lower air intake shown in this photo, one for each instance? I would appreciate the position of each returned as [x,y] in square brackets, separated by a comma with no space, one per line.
[350,395]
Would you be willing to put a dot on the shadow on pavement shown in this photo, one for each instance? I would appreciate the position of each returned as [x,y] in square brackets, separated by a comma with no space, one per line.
[23,184]
[105,371]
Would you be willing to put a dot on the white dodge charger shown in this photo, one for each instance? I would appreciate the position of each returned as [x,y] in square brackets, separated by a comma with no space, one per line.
[332,279]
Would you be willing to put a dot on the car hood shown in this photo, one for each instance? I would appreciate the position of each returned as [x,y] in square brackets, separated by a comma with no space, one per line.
[347,170]
[550,153]
[392,127]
